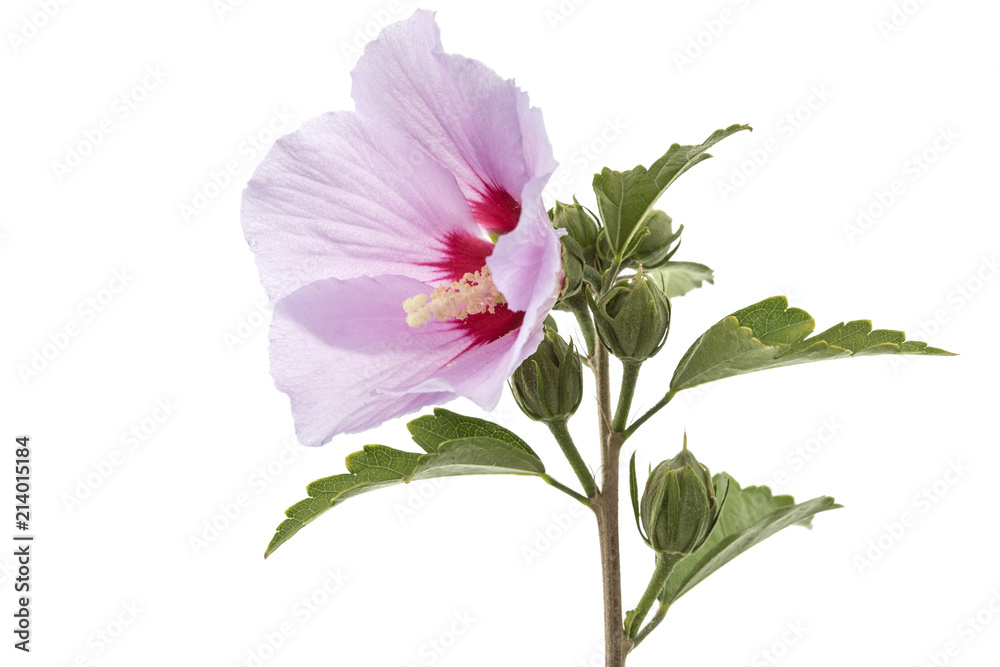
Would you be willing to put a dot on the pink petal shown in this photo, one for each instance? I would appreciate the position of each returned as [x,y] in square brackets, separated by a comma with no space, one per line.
[527,263]
[345,196]
[338,346]
[480,371]
[461,112]
[342,351]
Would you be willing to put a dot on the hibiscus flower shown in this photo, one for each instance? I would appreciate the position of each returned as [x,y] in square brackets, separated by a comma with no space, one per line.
[374,235]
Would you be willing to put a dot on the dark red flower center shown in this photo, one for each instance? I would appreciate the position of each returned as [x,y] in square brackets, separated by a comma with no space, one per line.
[488,327]
[463,254]
[496,211]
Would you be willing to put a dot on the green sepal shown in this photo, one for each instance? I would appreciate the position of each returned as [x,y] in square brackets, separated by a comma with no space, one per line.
[580,225]
[633,488]
[573,263]
[657,245]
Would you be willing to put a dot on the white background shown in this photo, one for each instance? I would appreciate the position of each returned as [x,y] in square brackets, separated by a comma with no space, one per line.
[842,101]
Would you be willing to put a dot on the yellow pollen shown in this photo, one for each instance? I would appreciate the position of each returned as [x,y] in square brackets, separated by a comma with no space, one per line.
[475,293]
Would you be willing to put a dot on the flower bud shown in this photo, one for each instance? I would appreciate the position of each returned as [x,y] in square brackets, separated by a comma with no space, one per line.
[572,256]
[679,508]
[548,385]
[657,248]
[633,318]
[579,224]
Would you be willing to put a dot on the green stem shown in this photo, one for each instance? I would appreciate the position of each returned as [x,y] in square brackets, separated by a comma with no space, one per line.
[661,613]
[565,489]
[664,566]
[630,374]
[649,413]
[561,433]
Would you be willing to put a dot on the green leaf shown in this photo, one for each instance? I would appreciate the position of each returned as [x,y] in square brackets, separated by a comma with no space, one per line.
[375,467]
[769,334]
[749,516]
[679,278]
[477,456]
[430,431]
[626,198]
[622,200]
[378,466]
